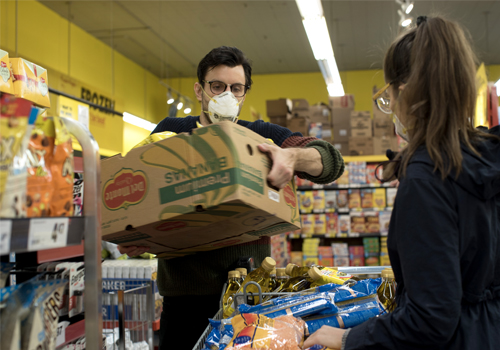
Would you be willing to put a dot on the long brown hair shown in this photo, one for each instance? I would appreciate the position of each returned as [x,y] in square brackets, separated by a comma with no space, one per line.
[438,66]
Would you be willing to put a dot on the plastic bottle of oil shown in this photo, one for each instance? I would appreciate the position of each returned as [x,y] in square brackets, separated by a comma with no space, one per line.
[261,276]
[232,287]
[296,284]
[387,290]
[294,270]
[243,273]
[272,281]
[281,278]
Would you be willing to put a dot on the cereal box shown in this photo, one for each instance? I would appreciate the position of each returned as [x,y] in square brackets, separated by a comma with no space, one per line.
[367,198]
[343,199]
[358,225]
[330,201]
[296,258]
[384,218]
[344,178]
[5,73]
[354,199]
[370,173]
[318,200]
[372,222]
[391,196]
[30,82]
[307,224]
[379,198]
[332,225]
[344,225]
[340,249]
[306,202]
[319,224]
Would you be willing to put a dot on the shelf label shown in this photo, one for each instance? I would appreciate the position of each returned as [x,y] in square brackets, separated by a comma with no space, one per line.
[61,333]
[317,187]
[46,233]
[5,233]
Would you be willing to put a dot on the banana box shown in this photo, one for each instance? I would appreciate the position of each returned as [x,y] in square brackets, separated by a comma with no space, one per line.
[193,193]
[5,76]
[30,82]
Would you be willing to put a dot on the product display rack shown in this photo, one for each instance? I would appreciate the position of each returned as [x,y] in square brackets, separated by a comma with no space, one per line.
[35,234]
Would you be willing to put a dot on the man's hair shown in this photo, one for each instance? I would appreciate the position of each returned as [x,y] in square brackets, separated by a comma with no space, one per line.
[227,56]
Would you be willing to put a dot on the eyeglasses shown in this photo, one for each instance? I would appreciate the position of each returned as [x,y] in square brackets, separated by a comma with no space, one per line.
[383,100]
[218,87]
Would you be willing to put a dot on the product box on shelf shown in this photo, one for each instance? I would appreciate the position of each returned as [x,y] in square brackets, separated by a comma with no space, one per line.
[383,143]
[344,226]
[391,196]
[358,225]
[278,108]
[367,198]
[30,82]
[307,224]
[330,201]
[192,193]
[361,124]
[343,199]
[370,174]
[357,256]
[296,258]
[332,224]
[299,124]
[384,218]
[379,198]
[319,224]
[354,199]
[6,84]
[306,202]
[372,222]
[344,178]
[340,249]
[343,147]
[316,130]
[357,172]
[319,199]
[360,146]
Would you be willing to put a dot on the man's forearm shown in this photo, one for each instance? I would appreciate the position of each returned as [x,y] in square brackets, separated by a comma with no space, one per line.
[308,160]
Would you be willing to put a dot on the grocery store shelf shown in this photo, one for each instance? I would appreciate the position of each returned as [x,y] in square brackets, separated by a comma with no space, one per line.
[367,158]
[73,332]
[34,234]
[59,253]
[351,235]
[131,325]
[343,186]
[344,210]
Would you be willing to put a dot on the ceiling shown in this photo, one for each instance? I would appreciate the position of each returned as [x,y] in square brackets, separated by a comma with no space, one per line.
[170,37]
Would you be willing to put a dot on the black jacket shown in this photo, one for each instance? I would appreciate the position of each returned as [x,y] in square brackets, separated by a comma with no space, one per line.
[444,246]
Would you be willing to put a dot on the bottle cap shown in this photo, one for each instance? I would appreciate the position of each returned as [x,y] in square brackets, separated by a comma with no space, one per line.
[314,273]
[234,274]
[242,271]
[273,272]
[280,272]
[268,264]
[289,269]
[387,273]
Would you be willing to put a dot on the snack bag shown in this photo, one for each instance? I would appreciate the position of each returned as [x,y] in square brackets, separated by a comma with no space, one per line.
[14,117]
[30,82]
[13,203]
[5,73]
[260,332]
[40,153]
[62,169]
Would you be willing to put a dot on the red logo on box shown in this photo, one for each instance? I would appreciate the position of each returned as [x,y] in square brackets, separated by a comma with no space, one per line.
[174,225]
[290,197]
[127,188]
[3,64]
[42,80]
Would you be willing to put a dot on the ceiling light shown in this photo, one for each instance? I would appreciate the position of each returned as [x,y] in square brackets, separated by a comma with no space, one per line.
[497,84]
[187,110]
[142,123]
[179,106]
[170,100]
[409,7]
[310,8]
[406,22]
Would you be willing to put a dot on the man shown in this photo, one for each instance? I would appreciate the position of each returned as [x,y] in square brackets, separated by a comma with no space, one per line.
[192,285]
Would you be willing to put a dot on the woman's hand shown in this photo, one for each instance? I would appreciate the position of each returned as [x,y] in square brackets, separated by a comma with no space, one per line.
[133,250]
[326,336]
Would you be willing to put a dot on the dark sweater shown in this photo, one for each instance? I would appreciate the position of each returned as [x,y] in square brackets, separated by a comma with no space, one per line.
[206,272]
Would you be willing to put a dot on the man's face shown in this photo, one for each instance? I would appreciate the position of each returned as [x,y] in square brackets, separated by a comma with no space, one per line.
[225,74]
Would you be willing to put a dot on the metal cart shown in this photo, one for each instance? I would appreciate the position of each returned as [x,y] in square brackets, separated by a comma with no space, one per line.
[240,298]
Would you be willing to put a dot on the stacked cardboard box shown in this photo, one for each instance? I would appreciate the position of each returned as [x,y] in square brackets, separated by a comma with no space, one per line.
[383,130]
[279,111]
[341,108]
[300,117]
[321,124]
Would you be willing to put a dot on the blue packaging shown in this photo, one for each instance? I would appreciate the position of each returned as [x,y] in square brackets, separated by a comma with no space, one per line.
[302,306]
[213,338]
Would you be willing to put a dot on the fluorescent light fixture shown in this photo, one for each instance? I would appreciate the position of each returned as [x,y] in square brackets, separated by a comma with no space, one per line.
[179,106]
[187,110]
[406,22]
[409,7]
[319,38]
[142,123]
[170,101]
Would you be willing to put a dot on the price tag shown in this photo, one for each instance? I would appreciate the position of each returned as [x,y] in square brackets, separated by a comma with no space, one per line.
[46,233]
[354,234]
[61,333]
[5,233]
[317,187]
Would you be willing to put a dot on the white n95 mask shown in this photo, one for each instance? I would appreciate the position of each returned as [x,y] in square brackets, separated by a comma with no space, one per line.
[400,128]
[223,107]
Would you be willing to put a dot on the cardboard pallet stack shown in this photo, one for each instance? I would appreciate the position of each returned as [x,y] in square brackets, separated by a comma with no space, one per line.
[279,111]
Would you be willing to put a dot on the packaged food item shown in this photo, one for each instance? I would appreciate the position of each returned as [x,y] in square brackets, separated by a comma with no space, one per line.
[14,119]
[320,224]
[379,198]
[155,137]
[324,276]
[370,174]
[40,152]
[356,256]
[232,287]
[301,306]
[372,222]
[296,257]
[76,287]
[62,169]
[330,201]
[307,221]
[367,198]
[358,225]
[343,199]
[78,194]
[5,73]
[357,172]
[30,82]
[344,225]
[213,339]
[384,218]
[387,290]
[343,180]
[253,331]
[319,200]
[331,224]
[306,202]
[391,196]
[354,199]
[340,249]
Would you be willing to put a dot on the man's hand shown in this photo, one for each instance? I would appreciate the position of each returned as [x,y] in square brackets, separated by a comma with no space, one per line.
[326,336]
[286,161]
[133,250]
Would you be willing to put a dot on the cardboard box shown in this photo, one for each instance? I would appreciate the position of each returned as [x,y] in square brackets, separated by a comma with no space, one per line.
[341,133]
[382,125]
[320,114]
[343,147]
[341,116]
[192,193]
[382,144]
[278,108]
[361,124]
[281,120]
[359,146]
[316,130]
[300,104]
[346,101]
[301,113]
[299,124]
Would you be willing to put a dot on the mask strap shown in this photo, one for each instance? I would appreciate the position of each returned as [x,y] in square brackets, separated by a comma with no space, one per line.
[207,94]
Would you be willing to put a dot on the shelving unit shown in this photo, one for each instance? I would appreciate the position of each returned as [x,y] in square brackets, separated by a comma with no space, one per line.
[61,237]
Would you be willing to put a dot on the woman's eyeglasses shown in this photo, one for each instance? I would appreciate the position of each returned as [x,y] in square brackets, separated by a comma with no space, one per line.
[383,100]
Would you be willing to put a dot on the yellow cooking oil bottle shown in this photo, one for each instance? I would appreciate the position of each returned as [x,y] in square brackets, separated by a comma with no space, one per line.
[294,270]
[281,278]
[232,287]
[272,280]
[324,276]
[296,284]
[243,273]
[261,276]
[387,290]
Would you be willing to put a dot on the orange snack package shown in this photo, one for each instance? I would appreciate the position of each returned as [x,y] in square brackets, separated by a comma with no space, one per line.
[6,84]
[62,171]
[30,82]
[259,332]
[40,152]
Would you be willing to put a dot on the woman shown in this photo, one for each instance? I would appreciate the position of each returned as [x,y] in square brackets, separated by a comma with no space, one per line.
[444,238]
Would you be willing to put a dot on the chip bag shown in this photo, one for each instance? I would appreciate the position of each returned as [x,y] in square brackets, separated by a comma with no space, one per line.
[62,169]
[6,84]
[30,82]
[14,117]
